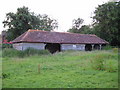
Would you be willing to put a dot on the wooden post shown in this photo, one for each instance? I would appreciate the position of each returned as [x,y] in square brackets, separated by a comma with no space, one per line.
[38,68]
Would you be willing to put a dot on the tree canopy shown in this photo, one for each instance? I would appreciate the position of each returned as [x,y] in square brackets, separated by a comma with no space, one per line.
[105,23]
[76,25]
[19,22]
[85,29]
[106,20]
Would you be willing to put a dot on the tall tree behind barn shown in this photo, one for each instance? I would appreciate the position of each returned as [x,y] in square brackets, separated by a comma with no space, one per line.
[106,22]
[19,22]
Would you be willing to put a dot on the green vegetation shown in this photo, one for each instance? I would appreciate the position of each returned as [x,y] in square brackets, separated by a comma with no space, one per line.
[105,23]
[6,46]
[69,69]
[105,18]
[10,52]
[23,19]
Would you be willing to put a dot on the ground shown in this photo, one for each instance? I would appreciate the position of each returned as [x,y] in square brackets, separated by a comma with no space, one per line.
[70,69]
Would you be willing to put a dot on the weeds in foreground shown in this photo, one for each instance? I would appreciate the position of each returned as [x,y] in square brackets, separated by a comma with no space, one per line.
[98,62]
[10,52]
[103,62]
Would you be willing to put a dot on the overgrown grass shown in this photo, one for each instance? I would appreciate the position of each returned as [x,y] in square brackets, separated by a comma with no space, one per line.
[10,52]
[70,69]
[104,62]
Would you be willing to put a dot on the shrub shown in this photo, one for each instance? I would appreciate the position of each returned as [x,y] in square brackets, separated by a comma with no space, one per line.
[104,62]
[115,50]
[107,47]
[97,62]
[9,52]
[6,46]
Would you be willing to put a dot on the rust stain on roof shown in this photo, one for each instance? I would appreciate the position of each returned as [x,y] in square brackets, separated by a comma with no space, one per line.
[40,36]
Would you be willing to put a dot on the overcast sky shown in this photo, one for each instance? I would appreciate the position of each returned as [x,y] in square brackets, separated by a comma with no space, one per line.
[64,11]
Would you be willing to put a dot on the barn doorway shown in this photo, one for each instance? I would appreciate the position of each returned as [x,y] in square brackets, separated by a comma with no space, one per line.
[53,47]
[97,47]
[88,47]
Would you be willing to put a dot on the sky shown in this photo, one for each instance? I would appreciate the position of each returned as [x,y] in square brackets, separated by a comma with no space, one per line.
[64,11]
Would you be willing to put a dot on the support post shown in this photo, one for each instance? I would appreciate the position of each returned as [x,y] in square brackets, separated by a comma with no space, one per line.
[92,46]
[100,46]
[83,47]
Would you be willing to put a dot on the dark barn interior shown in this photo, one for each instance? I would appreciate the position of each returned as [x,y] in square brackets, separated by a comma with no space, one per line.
[96,46]
[88,47]
[53,47]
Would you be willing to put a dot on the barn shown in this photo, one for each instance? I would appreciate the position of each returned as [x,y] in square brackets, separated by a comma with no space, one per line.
[58,41]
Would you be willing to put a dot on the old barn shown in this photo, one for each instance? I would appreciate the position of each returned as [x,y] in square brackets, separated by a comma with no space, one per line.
[57,41]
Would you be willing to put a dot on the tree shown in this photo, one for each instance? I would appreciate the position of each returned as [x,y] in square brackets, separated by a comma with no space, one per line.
[77,28]
[106,22]
[76,25]
[47,23]
[23,20]
[85,29]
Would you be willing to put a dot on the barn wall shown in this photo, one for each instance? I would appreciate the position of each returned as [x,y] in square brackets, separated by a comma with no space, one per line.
[73,47]
[23,46]
[41,46]
[17,46]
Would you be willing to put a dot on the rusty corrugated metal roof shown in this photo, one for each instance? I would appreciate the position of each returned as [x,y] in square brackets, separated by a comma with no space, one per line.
[58,37]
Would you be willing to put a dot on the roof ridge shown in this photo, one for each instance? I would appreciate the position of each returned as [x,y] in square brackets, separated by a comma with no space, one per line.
[32,30]
[24,36]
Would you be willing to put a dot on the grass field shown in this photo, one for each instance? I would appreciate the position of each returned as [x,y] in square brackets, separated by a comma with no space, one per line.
[70,69]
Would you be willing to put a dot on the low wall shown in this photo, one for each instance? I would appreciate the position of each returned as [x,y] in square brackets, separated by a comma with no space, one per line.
[17,46]
[23,46]
[73,47]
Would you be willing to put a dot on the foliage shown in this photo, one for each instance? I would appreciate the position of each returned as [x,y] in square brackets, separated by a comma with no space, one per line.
[98,62]
[111,66]
[104,62]
[10,52]
[85,29]
[107,47]
[106,23]
[76,25]
[46,23]
[32,51]
[115,50]
[23,20]
[77,28]
[6,46]
[69,69]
